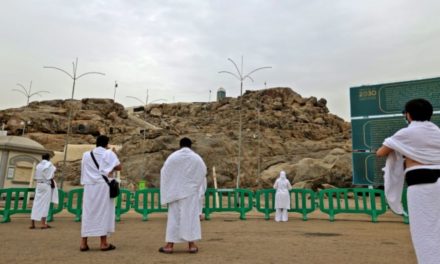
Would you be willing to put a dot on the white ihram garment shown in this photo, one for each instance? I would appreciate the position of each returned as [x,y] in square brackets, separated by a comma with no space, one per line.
[44,194]
[420,141]
[181,178]
[98,215]
[282,197]
[202,192]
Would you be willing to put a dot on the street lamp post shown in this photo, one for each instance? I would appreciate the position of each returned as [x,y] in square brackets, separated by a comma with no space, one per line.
[259,136]
[74,77]
[28,94]
[114,93]
[241,77]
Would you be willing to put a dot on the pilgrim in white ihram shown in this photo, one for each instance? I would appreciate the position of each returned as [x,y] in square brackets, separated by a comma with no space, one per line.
[44,194]
[181,179]
[282,197]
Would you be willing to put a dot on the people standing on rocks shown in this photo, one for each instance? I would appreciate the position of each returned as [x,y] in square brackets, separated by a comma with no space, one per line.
[282,197]
[98,209]
[181,178]
[413,154]
[45,191]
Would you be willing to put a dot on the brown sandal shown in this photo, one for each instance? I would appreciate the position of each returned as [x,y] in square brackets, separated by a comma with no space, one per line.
[193,250]
[84,249]
[165,250]
[110,247]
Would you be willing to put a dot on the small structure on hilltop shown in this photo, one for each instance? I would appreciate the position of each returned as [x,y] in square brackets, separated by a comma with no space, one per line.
[221,94]
[18,158]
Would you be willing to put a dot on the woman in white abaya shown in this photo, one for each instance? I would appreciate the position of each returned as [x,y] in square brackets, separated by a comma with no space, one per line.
[282,197]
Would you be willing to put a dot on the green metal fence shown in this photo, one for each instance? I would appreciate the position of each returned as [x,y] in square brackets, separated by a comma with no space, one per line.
[147,201]
[17,201]
[352,201]
[123,203]
[74,203]
[228,200]
[56,208]
[265,202]
[301,201]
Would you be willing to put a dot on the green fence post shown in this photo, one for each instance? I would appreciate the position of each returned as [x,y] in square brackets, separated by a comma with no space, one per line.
[54,210]
[77,210]
[6,216]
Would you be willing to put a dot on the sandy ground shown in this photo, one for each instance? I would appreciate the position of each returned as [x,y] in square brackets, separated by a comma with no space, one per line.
[226,239]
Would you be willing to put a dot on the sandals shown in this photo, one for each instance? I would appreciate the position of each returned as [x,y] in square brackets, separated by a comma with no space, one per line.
[193,250]
[84,249]
[165,250]
[46,227]
[110,247]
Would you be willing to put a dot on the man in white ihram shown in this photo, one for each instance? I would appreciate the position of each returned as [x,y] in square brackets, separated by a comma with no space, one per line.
[181,177]
[413,154]
[98,215]
[44,193]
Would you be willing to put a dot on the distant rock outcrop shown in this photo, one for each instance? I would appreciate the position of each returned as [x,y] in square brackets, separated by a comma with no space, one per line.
[280,131]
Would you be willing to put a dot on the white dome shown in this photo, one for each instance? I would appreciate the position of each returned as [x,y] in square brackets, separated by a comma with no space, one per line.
[21,143]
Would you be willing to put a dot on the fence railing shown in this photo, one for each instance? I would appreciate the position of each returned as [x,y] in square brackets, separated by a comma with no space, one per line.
[146,201]
[74,203]
[353,201]
[123,203]
[228,200]
[18,201]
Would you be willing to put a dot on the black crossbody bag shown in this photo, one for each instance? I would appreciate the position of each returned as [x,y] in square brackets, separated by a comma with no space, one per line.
[113,184]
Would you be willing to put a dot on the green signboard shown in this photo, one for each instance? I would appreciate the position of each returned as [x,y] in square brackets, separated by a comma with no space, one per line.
[390,98]
[369,134]
[367,169]
[376,112]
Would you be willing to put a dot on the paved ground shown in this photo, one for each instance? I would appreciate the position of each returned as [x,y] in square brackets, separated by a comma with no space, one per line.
[226,239]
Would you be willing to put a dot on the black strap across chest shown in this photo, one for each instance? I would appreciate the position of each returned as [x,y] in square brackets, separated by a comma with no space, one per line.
[97,166]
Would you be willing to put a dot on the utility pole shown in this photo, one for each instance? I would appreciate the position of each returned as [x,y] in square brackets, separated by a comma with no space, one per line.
[74,77]
[241,77]
[114,93]
[28,94]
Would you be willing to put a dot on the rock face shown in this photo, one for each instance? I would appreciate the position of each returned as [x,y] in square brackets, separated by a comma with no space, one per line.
[280,130]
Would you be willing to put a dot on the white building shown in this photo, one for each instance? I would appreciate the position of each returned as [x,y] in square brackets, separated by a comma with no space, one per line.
[18,158]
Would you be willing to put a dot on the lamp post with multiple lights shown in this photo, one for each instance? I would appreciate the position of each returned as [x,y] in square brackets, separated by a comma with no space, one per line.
[241,77]
[28,94]
[74,77]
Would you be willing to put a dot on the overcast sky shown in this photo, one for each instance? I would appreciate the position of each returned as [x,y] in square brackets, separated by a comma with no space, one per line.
[175,49]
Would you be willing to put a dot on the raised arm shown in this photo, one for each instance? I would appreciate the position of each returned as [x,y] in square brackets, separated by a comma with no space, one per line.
[118,167]
[384,151]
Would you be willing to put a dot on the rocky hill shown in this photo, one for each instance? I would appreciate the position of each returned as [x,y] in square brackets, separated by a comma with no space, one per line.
[280,131]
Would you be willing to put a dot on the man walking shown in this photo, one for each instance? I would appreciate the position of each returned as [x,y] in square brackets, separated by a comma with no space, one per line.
[181,177]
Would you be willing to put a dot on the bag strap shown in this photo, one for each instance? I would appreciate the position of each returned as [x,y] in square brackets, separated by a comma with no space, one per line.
[97,166]
[94,160]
